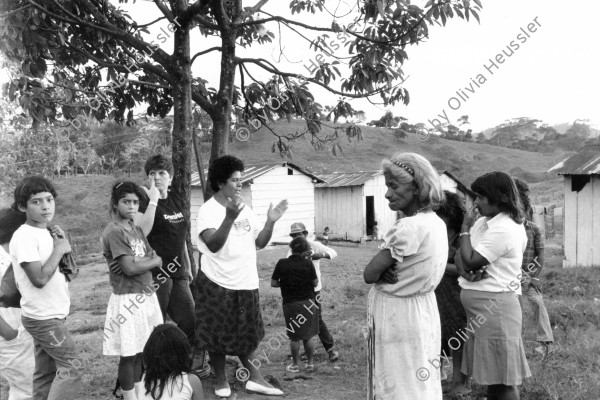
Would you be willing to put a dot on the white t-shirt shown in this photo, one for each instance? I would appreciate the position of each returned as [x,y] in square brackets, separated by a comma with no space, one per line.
[30,244]
[12,316]
[234,265]
[178,390]
[317,247]
[502,242]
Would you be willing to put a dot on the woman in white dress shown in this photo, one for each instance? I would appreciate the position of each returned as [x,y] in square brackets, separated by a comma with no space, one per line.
[404,323]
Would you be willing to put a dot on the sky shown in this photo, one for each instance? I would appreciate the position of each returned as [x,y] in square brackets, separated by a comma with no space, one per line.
[552,76]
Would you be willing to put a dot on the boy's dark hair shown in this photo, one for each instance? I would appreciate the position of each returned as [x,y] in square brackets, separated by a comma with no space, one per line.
[452,209]
[165,357]
[523,187]
[122,188]
[299,245]
[500,190]
[221,169]
[10,221]
[31,185]
[158,162]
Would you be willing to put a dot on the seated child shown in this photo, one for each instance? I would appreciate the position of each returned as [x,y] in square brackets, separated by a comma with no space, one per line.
[297,278]
[326,236]
[375,231]
[168,371]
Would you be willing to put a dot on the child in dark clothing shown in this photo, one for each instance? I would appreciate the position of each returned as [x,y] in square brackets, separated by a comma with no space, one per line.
[297,278]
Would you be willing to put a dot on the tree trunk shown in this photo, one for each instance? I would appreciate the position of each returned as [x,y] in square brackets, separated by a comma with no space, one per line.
[222,117]
[182,126]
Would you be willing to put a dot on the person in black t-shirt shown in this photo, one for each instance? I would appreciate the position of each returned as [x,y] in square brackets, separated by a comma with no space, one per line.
[297,278]
[166,228]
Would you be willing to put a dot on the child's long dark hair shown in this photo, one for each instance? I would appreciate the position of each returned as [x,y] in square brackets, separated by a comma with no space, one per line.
[120,190]
[165,356]
[10,221]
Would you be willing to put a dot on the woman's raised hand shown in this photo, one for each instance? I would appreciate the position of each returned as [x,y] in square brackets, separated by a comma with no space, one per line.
[470,217]
[234,206]
[275,213]
[152,193]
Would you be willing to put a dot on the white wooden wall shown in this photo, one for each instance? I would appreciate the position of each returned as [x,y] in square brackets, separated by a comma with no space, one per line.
[277,185]
[342,209]
[582,224]
[383,215]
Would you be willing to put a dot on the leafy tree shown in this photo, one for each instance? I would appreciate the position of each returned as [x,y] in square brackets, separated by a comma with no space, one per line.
[579,129]
[481,138]
[92,57]
[388,120]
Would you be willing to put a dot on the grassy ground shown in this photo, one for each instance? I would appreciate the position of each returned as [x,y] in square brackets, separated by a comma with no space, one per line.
[569,373]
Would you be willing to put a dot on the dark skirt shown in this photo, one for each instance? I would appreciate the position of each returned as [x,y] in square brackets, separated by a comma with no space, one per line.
[227,321]
[301,319]
[453,317]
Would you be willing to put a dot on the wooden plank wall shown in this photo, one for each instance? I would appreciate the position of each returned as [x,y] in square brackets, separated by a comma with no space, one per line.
[584,226]
[342,210]
[277,185]
[596,221]
[570,223]
[383,215]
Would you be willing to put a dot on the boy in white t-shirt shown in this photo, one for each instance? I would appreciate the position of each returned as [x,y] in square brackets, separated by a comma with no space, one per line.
[36,250]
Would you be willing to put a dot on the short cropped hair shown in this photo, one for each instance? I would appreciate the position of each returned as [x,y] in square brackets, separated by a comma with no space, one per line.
[425,177]
[158,162]
[31,185]
[10,221]
[221,170]
[299,245]
[452,209]
[500,190]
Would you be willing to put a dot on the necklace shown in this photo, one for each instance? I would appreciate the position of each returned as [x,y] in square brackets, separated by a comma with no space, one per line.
[419,211]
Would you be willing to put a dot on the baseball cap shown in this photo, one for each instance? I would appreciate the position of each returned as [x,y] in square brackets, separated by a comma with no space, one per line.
[297,227]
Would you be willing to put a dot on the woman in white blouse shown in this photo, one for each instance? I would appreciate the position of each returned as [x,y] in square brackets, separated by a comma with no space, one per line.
[404,323]
[494,352]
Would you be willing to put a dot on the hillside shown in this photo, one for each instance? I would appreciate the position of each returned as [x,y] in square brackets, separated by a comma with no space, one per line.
[464,159]
[82,205]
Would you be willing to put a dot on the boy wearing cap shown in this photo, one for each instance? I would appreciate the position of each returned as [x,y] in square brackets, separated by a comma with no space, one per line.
[319,251]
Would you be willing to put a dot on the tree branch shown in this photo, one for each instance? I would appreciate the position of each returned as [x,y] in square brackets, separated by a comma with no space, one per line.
[14,11]
[150,23]
[165,11]
[274,70]
[201,53]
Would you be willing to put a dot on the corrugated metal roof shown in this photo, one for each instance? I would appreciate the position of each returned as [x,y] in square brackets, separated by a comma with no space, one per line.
[584,162]
[256,170]
[339,179]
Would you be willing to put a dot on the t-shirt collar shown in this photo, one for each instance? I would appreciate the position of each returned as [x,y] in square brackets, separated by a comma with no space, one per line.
[498,219]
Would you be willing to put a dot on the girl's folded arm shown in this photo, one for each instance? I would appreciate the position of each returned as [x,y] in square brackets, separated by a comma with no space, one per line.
[132,265]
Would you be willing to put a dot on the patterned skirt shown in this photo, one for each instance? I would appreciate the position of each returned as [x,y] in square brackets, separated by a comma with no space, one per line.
[227,321]
[130,318]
